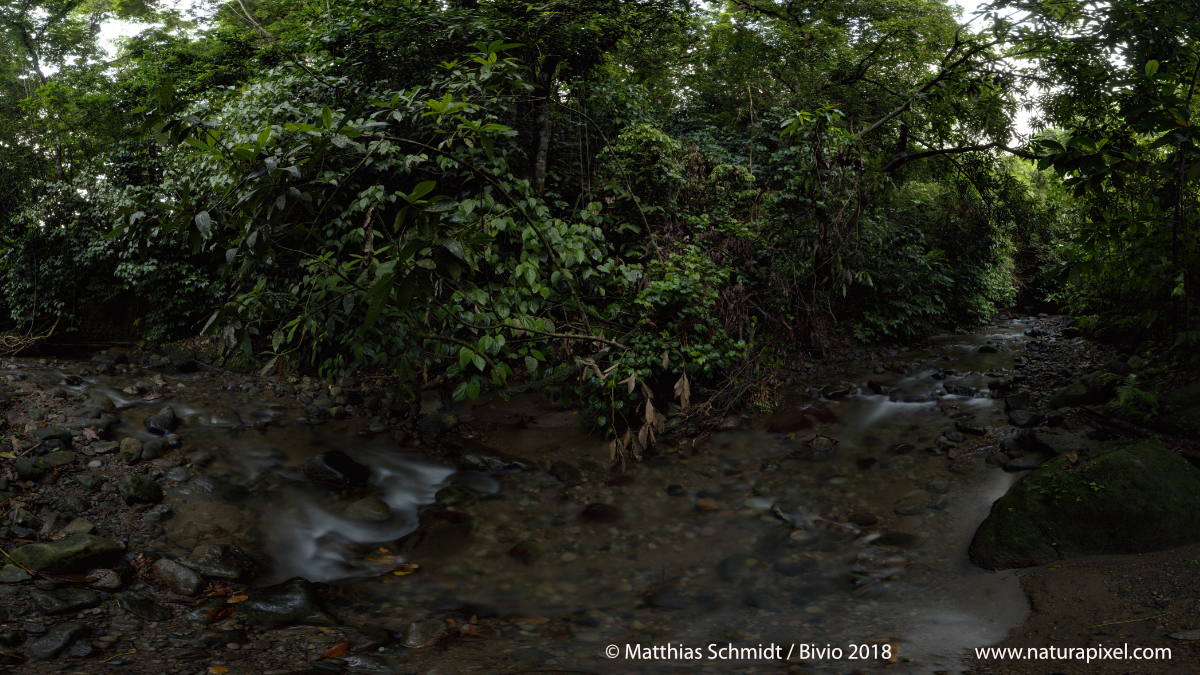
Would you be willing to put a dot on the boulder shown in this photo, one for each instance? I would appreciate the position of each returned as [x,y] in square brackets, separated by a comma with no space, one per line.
[221,562]
[179,579]
[77,553]
[1118,499]
[1091,389]
[1024,418]
[292,603]
[1018,401]
[56,640]
[131,450]
[64,600]
[1057,444]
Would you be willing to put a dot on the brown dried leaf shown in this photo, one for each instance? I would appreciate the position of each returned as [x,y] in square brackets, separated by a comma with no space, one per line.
[337,650]
[240,597]
[631,381]
[683,391]
[91,434]
[665,360]
[650,418]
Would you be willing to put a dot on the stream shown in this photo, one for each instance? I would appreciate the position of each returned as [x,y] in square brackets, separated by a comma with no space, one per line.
[746,539]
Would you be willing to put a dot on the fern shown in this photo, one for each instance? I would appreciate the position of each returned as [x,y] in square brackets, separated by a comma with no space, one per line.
[1133,404]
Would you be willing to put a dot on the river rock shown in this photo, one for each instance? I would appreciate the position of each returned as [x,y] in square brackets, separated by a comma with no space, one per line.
[131,450]
[900,540]
[31,468]
[64,600]
[77,553]
[52,433]
[56,640]
[180,360]
[292,603]
[78,526]
[798,411]
[423,633]
[1123,499]
[164,422]
[1090,389]
[221,562]
[1024,419]
[11,574]
[1019,401]
[1058,444]
[965,428]
[336,470]
[104,448]
[207,487]
[959,390]
[60,458]
[988,349]
[369,508]
[138,489]
[836,391]
[143,607]
[180,579]
[479,458]
[1027,462]
[431,401]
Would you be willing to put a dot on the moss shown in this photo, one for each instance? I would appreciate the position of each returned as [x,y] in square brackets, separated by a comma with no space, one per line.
[1116,499]
[1188,397]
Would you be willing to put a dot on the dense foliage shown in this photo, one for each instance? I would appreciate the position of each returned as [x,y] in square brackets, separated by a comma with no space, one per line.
[645,199]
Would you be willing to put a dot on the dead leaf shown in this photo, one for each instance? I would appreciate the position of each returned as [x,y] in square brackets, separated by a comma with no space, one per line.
[91,434]
[7,455]
[337,650]
[708,504]
[631,381]
[15,443]
[1072,457]
[218,670]
[665,360]
[155,397]
[683,391]
[241,597]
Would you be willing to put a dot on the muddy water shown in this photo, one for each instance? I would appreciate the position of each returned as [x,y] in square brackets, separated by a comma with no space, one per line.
[745,539]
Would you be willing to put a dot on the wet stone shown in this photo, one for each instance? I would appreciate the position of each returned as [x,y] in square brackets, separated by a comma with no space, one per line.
[81,650]
[11,574]
[423,633]
[863,519]
[969,429]
[164,422]
[566,473]
[154,449]
[179,474]
[104,447]
[292,603]
[88,479]
[64,600]
[959,390]
[901,448]
[222,562]
[526,552]
[336,470]
[138,489]
[56,641]
[76,553]
[954,437]
[31,467]
[131,450]
[938,486]
[1027,462]
[1024,418]
[79,526]
[369,508]
[143,607]
[60,458]
[156,514]
[52,433]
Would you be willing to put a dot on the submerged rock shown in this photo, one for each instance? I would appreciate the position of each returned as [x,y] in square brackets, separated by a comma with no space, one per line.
[798,411]
[335,469]
[138,489]
[143,607]
[292,603]
[222,562]
[423,633]
[1120,499]
[64,600]
[76,553]
[369,508]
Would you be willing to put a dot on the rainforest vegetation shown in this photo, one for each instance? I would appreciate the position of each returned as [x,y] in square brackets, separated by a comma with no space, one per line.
[666,200]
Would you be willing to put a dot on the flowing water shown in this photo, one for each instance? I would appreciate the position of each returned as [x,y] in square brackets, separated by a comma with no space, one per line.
[746,539]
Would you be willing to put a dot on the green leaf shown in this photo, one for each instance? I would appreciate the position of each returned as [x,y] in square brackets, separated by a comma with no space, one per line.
[204,224]
[326,117]
[1151,68]
[479,362]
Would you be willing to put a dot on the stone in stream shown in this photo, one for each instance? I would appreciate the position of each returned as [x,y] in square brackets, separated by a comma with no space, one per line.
[207,487]
[164,422]
[180,360]
[138,489]
[56,640]
[836,391]
[479,458]
[988,349]
[527,553]
[292,603]
[969,429]
[1133,498]
[336,470]
[131,450]
[900,540]
[60,458]
[156,514]
[64,600]
[959,390]
[431,401]
[77,553]
[423,633]
[566,472]
[78,526]
[143,607]
[224,417]
[1027,462]
[954,437]
[798,411]
[369,508]
[221,562]
[104,448]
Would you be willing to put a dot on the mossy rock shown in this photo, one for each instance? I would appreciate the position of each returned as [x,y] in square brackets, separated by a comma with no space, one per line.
[1090,389]
[1115,499]
[1187,397]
